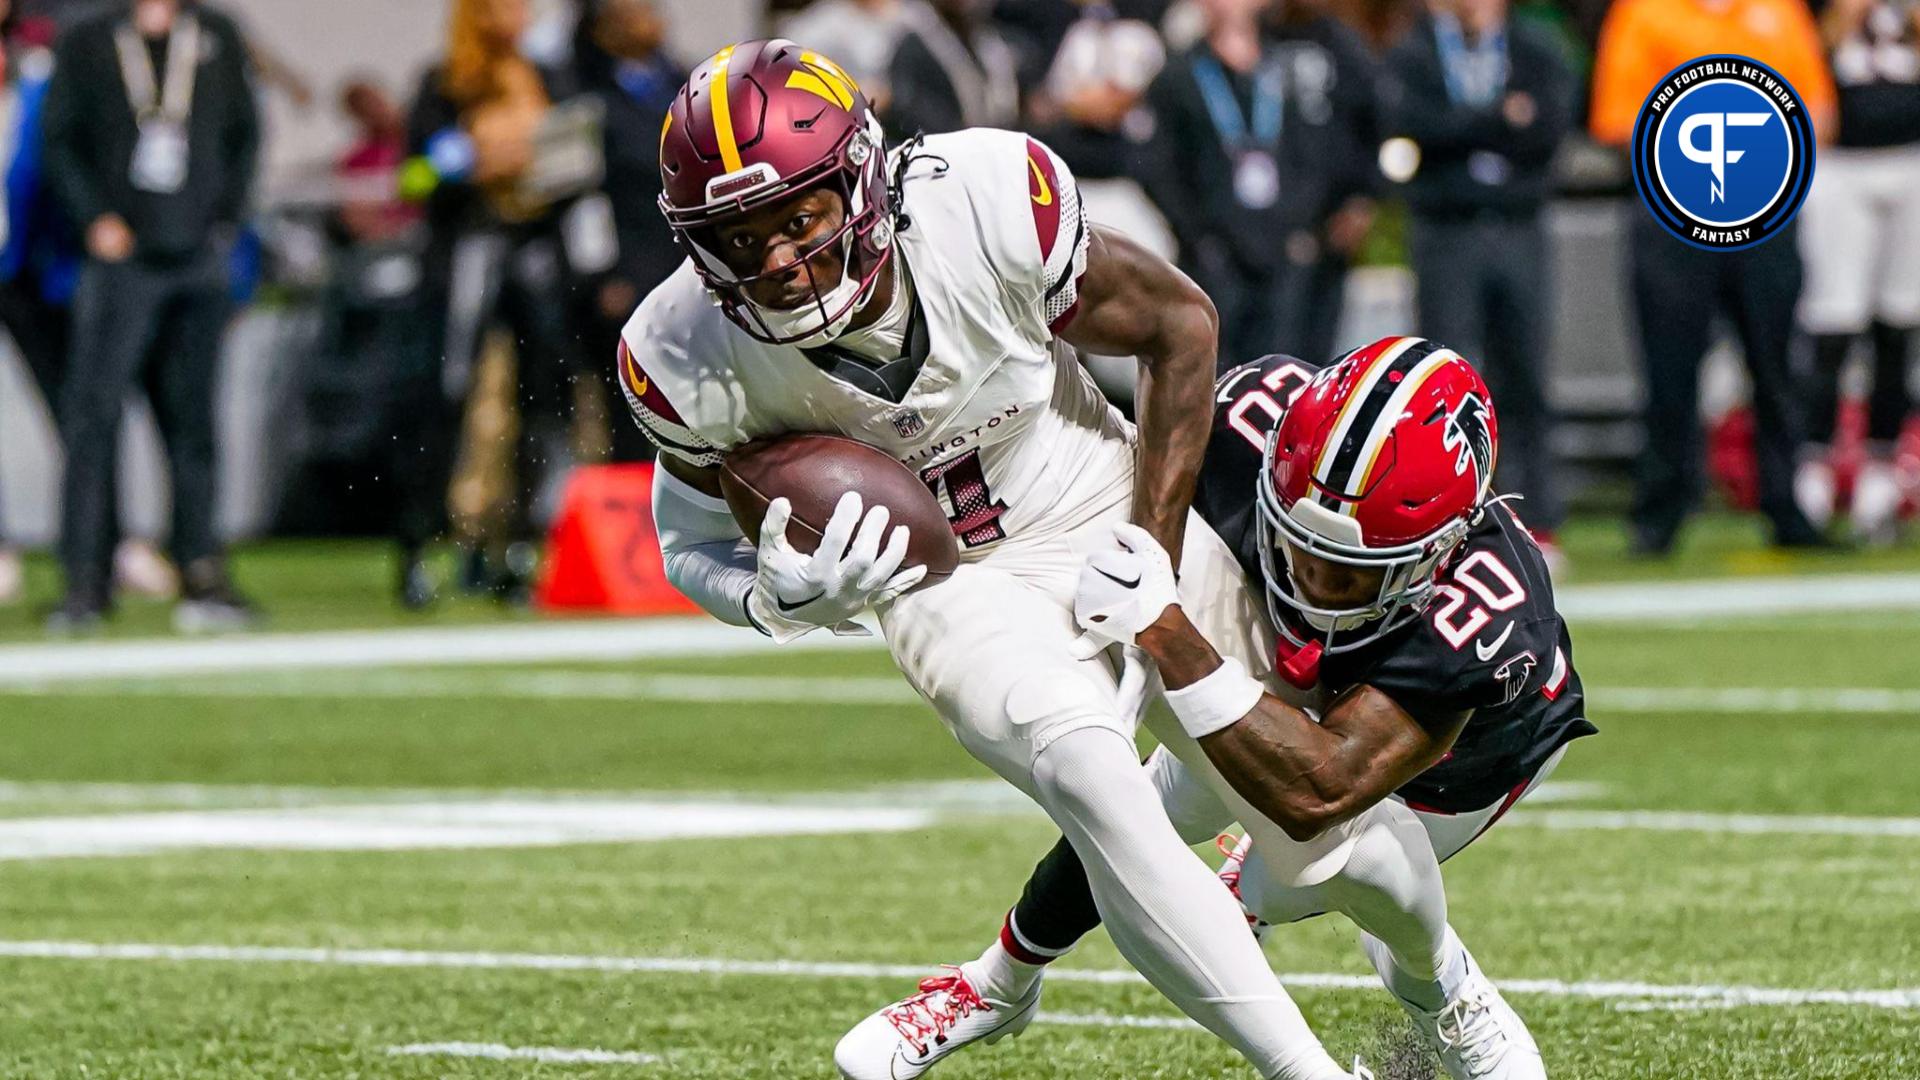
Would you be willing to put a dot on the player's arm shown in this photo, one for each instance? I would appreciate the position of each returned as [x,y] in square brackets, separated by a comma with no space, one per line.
[1133,302]
[1305,776]
[705,555]
[767,584]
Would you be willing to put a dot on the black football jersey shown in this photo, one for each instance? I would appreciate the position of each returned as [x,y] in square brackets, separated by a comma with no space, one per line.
[1491,641]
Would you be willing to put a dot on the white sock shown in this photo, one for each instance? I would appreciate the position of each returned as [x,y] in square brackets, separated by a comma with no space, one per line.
[1453,972]
[1430,992]
[1876,500]
[1000,976]
[1166,911]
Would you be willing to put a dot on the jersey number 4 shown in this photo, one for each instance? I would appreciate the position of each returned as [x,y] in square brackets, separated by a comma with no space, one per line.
[975,515]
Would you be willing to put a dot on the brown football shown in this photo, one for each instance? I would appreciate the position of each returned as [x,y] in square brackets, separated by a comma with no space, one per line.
[813,470]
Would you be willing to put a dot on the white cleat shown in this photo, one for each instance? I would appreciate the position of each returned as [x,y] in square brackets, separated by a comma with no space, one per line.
[1876,504]
[1478,1035]
[1813,490]
[909,1037]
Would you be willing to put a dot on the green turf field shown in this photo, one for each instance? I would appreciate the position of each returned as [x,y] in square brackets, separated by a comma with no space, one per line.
[351,872]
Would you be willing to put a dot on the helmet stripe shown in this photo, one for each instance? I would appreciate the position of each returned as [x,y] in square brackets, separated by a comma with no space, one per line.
[723,111]
[1370,420]
[1376,368]
[825,79]
[1390,415]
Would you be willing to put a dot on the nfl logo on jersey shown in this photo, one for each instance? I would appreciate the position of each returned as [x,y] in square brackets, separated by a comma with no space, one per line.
[908,422]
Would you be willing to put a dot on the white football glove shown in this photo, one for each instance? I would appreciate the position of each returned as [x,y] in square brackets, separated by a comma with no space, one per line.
[1122,591]
[849,572]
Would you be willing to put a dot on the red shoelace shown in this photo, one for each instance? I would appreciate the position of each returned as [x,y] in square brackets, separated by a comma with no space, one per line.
[923,1023]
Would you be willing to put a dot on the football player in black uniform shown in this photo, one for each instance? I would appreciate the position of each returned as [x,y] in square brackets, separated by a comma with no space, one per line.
[1414,615]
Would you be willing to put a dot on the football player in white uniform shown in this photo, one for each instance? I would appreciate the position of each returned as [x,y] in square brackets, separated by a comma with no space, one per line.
[928,302]
[1421,612]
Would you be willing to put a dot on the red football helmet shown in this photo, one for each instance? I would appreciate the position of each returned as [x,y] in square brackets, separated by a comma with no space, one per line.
[763,121]
[1384,461]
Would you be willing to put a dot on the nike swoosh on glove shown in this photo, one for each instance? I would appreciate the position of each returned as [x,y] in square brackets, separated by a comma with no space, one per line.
[1122,591]
[794,594]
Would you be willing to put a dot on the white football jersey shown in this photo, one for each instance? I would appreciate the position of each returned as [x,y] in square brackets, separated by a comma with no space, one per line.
[1001,421]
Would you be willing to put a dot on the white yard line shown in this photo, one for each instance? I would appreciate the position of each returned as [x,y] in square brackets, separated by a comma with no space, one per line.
[321,819]
[853,690]
[526,643]
[1683,821]
[608,640]
[559,1055]
[492,823]
[537,686]
[1737,597]
[1730,995]
[1870,700]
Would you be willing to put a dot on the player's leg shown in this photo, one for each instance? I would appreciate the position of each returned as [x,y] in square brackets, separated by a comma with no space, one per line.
[1166,912]
[1763,289]
[1674,290]
[1877,493]
[1837,244]
[991,650]
[1390,887]
[1056,907]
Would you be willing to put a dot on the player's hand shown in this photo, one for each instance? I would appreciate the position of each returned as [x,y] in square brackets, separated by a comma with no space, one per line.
[1122,591]
[849,572]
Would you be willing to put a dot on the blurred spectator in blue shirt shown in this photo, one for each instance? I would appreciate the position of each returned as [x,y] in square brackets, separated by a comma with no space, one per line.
[1477,104]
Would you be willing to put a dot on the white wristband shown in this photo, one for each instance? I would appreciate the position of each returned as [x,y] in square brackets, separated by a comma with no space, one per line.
[1217,701]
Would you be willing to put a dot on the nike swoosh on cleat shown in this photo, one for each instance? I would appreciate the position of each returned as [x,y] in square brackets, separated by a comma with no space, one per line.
[1486,652]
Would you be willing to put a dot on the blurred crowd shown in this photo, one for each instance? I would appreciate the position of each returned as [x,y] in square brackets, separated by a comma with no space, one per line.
[1267,146]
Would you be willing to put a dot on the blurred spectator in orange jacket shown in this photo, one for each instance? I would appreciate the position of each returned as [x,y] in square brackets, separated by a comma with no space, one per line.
[1678,289]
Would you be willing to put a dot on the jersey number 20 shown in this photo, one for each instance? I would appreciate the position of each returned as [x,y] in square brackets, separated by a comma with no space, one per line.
[1488,579]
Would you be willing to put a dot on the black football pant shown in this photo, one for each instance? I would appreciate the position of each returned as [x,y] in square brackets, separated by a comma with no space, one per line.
[511,278]
[40,333]
[158,327]
[1678,290]
[1888,401]
[1484,287]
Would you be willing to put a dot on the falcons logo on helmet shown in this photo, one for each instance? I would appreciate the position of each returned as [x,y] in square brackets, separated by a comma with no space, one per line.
[1470,438]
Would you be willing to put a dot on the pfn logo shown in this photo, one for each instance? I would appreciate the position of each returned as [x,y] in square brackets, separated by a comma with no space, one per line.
[1715,154]
[1723,153]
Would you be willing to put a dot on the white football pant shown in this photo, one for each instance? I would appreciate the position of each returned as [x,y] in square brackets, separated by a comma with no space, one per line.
[989,649]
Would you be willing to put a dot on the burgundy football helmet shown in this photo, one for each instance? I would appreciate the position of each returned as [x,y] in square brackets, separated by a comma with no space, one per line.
[763,121]
[1384,461]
